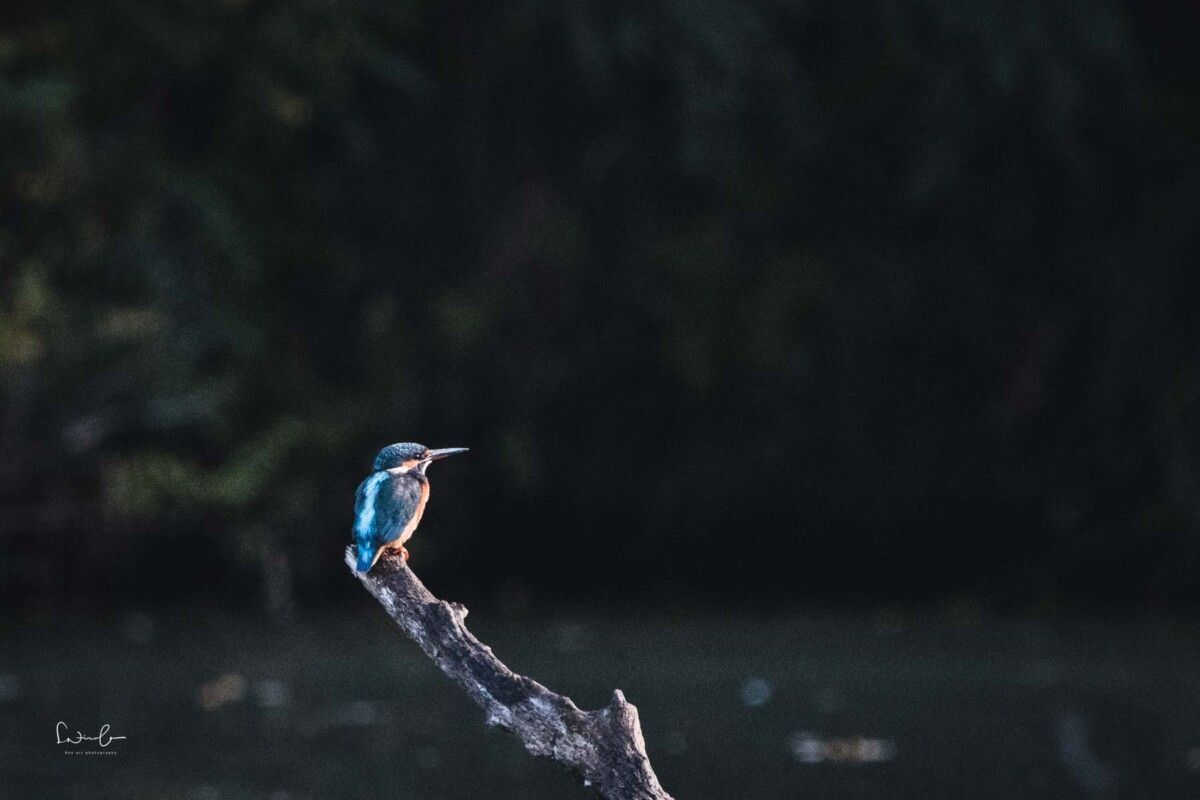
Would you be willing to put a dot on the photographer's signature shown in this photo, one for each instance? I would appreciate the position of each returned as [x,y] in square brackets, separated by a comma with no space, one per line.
[102,739]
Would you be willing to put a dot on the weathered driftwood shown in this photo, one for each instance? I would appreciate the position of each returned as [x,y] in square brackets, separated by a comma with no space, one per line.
[604,748]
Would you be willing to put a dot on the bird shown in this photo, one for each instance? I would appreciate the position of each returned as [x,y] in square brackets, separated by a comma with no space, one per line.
[389,503]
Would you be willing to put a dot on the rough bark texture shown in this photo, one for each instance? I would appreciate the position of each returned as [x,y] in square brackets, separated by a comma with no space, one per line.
[604,748]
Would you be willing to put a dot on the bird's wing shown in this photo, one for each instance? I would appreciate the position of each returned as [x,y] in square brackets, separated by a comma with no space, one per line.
[366,500]
[383,505]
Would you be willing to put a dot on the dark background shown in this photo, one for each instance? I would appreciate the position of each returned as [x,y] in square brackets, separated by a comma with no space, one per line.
[761,309]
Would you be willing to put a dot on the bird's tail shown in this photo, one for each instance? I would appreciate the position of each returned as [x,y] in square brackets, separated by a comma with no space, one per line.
[366,558]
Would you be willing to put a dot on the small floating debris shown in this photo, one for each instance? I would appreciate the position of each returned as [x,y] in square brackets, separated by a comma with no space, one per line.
[229,688]
[811,748]
[272,693]
[756,692]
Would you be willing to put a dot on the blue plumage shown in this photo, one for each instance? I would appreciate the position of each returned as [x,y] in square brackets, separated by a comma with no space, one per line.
[383,508]
[389,503]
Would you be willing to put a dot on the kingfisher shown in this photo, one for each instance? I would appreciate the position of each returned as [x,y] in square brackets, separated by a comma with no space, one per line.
[390,502]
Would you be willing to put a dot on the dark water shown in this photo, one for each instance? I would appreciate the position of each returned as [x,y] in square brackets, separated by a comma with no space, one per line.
[884,705]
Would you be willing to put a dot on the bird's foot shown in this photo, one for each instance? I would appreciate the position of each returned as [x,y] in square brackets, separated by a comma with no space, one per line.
[404,552]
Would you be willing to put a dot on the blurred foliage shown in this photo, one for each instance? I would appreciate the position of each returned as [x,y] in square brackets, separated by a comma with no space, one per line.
[890,297]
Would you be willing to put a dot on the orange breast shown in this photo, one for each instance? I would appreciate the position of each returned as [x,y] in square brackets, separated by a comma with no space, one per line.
[411,527]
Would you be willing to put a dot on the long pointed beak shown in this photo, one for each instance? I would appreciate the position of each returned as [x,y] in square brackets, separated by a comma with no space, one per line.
[434,455]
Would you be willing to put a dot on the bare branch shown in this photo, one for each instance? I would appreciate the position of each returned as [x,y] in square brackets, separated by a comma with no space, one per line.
[604,748]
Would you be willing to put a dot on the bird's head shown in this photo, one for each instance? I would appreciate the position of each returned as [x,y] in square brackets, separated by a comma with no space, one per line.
[410,455]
